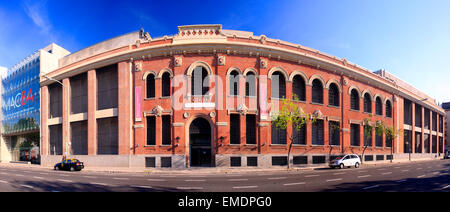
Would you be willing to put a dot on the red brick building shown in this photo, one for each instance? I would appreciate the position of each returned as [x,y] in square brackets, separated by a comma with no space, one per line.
[205,97]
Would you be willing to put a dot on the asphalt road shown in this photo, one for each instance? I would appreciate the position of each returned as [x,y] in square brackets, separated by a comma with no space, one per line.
[410,177]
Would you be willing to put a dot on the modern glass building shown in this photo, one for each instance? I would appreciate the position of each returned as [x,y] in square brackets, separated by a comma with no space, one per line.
[20,140]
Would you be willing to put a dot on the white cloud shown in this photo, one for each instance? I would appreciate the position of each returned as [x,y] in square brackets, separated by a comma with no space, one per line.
[37,12]
[3,71]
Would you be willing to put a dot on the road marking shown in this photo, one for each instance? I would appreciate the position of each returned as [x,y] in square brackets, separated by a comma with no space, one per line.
[19,175]
[435,173]
[400,181]
[290,184]
[418,168]
[445,187]
[276,178]
[386,173]
[67,181]
[331,180]
[101,184]
[381,169]
[371,187]
[2,181]
[194,180]
[156,180]
[237,179]
[312,175]
[27,186]
[92,177]
[241,187]
[405,170]
[338,173]
[362,171]
[146,187]
[364,176]
[421,176]
[118,178]
[190,188]
[40,178]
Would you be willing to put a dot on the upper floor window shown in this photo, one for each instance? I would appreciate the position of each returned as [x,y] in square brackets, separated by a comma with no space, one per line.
[354,100]
[378,106]
[317,91]
[388,109]
[150,83]
[333,95]
[298,87]
[250,84]
[278,85]
[367,103]
[165,84]
[234,83]
[200,81]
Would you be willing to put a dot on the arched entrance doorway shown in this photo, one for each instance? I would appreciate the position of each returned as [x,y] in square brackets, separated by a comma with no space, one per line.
[200,143]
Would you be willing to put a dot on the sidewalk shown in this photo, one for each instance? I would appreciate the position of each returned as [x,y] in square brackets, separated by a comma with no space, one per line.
[201,170]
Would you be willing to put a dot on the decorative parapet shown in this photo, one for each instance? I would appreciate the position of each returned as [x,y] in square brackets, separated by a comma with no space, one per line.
[201,33]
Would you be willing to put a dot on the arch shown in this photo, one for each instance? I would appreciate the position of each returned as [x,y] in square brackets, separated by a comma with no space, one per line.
[275,69]
[387,99]
[164,70]
[248,70]
[356,88]
[316,76]
[234,69]
[378,96]
[367,91]
[294,73]
[334,81]
[197,64]
[188,138]
[144,77]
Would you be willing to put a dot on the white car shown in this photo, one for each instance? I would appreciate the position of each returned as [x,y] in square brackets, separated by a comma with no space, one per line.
[346,161]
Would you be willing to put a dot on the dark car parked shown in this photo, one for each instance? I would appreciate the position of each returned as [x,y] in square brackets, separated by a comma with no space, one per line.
[69,164]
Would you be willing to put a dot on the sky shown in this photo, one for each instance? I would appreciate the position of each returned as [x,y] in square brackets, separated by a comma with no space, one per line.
[408,38]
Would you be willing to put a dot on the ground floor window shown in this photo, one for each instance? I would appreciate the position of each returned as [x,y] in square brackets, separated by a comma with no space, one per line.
[107,136]
[55,138]
[79,137]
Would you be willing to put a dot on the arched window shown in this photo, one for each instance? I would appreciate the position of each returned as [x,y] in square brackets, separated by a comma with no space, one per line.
[200,81]
[367,103]
[333,95]
[234,83]
[250,84]
[150,86]
[378,106]
[298,87]
[278,85]
[165,85]
[389,109]
[317,91]
[354,100]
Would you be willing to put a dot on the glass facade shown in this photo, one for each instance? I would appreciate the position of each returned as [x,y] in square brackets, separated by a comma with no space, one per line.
[20,110]
[20,99]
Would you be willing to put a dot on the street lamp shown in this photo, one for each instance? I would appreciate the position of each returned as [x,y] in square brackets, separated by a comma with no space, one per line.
[65,90]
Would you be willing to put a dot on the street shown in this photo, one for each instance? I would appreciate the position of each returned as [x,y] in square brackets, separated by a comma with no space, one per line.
[410,177]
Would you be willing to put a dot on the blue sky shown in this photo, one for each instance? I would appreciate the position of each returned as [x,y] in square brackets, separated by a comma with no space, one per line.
[409,38]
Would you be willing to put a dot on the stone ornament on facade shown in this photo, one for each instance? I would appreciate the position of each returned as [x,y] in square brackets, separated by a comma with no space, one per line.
[157,111]
[186,115]
[221,60]
[178,61]
[263,63]
[212,114]
[138,66]
[242,109]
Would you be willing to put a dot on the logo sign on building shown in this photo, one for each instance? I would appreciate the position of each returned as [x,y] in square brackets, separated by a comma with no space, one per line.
[20,99]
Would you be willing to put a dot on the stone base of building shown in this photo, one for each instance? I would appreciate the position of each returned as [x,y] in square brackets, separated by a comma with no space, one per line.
[229,161]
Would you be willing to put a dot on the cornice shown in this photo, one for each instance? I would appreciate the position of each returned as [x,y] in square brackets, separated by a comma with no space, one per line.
[216,46]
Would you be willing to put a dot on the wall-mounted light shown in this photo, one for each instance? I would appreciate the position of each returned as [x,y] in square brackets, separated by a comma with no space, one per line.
[178,140]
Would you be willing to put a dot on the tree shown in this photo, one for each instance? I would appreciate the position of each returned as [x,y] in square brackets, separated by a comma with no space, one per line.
[291,115]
